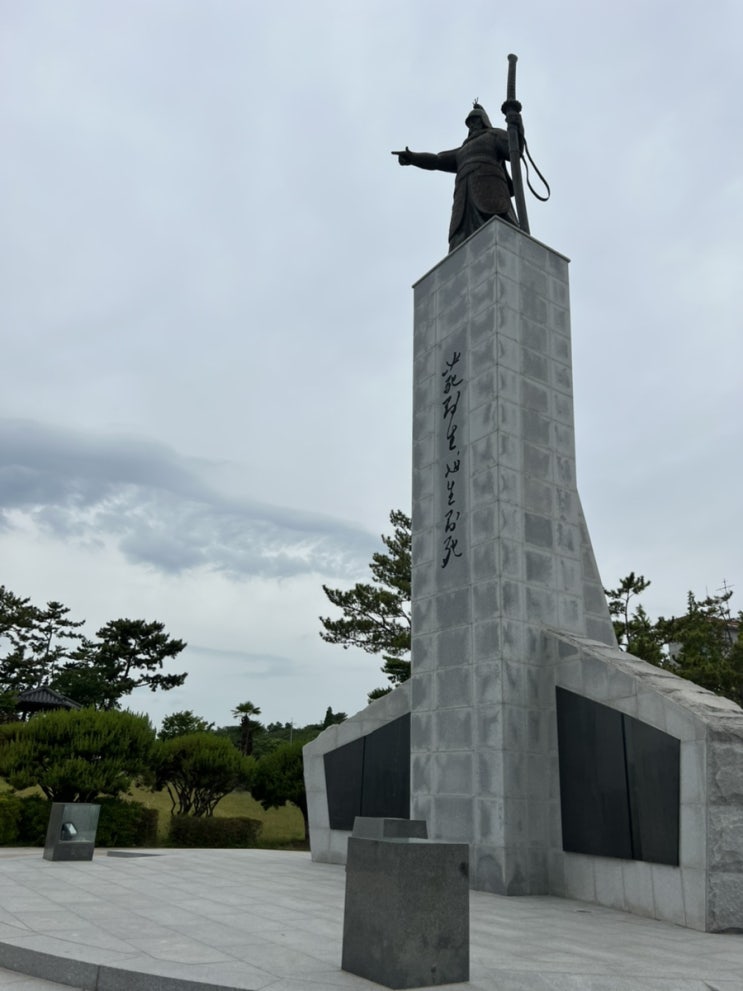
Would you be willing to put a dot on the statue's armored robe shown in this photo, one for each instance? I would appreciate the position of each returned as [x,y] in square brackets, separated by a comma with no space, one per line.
[483,186]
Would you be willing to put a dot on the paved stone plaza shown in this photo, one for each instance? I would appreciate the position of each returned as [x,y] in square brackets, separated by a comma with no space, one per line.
[252,919]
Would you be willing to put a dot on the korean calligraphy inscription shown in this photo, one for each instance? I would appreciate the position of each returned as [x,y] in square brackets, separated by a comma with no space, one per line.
[452,393]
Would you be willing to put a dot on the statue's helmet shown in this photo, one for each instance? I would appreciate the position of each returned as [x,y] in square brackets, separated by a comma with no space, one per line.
[477,111]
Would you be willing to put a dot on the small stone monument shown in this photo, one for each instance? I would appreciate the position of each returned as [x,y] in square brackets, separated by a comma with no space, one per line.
[406,922]
[70,834]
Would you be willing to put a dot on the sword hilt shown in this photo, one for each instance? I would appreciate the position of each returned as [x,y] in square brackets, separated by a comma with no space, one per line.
[511,108]
[511,84]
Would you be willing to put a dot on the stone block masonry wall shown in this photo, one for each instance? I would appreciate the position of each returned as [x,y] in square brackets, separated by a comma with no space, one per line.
[508,607]
[500,548]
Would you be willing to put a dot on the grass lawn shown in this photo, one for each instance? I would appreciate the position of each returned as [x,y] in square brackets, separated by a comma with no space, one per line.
[281,827]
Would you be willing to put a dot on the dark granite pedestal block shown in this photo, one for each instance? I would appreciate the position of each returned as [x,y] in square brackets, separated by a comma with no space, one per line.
[70,834]
[406,921]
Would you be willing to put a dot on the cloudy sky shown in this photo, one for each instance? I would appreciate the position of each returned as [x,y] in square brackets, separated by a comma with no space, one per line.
[206,314]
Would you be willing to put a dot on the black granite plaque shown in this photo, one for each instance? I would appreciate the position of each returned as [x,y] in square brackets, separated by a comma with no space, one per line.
[653,760]
[593,787]
[619,783]
[344,768]
[370,776]
[385,791]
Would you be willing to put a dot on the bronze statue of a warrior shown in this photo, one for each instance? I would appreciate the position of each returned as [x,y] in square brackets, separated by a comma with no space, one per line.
[483,187]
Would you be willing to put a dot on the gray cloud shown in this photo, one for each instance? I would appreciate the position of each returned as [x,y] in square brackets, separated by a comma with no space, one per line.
[249,665]
[157,508]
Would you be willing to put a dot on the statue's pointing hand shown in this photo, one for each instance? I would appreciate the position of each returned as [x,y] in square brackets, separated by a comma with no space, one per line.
[403,157]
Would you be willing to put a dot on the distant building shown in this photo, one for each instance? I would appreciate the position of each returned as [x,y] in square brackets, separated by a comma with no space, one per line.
[43,699]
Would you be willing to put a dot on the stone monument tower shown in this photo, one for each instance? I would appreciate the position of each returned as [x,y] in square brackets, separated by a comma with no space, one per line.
[567,765]
[500,549]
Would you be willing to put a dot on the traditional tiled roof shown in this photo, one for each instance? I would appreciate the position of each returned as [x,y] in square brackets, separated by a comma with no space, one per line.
[44,697]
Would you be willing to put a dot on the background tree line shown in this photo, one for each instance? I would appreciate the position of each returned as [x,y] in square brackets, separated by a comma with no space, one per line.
[45,646]
[99,751]
[703,644]
[86,755]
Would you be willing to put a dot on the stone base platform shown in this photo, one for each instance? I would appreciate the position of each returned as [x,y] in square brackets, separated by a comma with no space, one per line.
[208,920]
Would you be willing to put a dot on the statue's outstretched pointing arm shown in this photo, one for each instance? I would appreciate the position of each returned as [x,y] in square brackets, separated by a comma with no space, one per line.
[445,161]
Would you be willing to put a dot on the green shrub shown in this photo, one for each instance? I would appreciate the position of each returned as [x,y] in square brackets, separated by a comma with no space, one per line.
[33,820]
[199,770]
[76,756]
[193,831]
[126,824]
[10,808]
[279,778]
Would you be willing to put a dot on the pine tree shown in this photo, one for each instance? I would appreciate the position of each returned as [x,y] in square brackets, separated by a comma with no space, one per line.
[376,614]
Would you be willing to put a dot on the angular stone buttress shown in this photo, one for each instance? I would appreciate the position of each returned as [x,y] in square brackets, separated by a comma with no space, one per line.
[568,766]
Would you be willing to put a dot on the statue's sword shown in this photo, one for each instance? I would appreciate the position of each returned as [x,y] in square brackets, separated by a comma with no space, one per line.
[512,110]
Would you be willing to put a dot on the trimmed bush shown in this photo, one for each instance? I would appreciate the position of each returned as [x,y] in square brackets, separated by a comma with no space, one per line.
[199,770]
[279,778]
[126,824]
[77,755]
[193,831]
[33,820]
[10,808]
